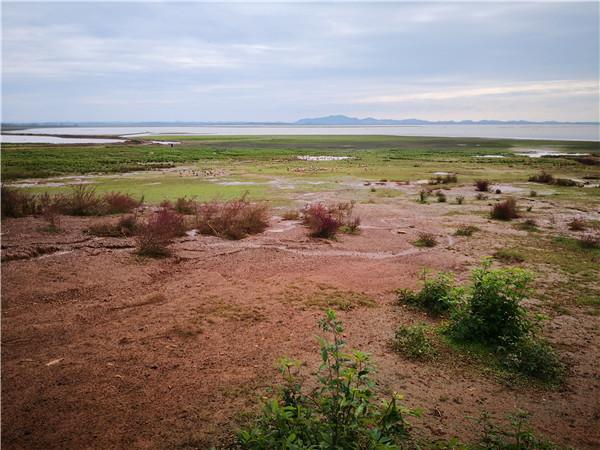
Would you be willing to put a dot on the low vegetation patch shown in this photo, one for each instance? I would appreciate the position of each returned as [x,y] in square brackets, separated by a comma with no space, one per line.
[426,240]
[589,241]
[441,197]
[460,199]
[542,177]
[437,296]
[444,179]
[184,205]
[413,342]
[505,210]
[528,225]
[234,219]
[342,412]
[118,203]
[125,227]
[325,221]
[509,255]
[577,224]
[466,230]
[492,315]
[482,185]
[154,236]
[291,214]
[323,296]
[18,203]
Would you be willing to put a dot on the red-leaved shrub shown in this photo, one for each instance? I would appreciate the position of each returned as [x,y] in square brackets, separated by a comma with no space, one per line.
[482,185]
[234,219]
[320,220]
[118,203]
[505,210]
[156,234]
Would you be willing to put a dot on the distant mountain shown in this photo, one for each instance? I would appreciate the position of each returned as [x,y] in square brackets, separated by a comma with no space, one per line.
[345,120]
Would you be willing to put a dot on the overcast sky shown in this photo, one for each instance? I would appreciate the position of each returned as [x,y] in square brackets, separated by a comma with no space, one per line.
[281,62]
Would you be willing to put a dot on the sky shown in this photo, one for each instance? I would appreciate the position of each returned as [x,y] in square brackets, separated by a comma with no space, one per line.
[167,61]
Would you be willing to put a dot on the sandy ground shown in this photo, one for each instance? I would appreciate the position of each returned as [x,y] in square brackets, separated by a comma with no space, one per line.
[101,349]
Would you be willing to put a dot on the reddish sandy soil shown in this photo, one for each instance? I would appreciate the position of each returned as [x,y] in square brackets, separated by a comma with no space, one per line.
[101,349]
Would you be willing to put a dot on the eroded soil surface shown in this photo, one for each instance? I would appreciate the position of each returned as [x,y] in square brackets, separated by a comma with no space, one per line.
[103,349]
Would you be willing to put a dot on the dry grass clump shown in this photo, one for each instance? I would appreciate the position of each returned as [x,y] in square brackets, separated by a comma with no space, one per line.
[577,224]
[466,230]
[542,177]
[184,205]
[18,203]
[482,185]
[234,219]
[509,255]
[505,210]
[291,214]
[441,197]
[119,203]
[426,240]
[444,179]
[154,236]
[126,226]
[528,225]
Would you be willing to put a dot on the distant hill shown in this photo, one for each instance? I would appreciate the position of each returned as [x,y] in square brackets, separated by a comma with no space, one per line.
[345,120]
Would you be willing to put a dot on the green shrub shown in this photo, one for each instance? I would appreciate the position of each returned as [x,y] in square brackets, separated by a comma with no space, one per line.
[341,413]
[535,358]
[437,296]
[493,314]
[412,341]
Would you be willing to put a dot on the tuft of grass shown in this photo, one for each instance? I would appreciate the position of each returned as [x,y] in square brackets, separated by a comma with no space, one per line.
[441,197]
[234,219]
[426,240]
[184,205]
[509,255]
[18,203]
[542,177]
[291,214]
[589,241]
[505,210]
[466,230]
[528,225]
[577,224]
[413,342]
[460,199]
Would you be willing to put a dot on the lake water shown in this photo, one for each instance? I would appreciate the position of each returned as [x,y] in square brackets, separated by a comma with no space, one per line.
[17,139]
[550,132]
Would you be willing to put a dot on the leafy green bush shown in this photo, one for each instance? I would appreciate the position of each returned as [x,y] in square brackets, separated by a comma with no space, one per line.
[437,296]
[493,315]
[412,341]
[342,413]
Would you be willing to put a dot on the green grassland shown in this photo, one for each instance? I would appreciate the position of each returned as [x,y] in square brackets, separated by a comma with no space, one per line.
[264,163]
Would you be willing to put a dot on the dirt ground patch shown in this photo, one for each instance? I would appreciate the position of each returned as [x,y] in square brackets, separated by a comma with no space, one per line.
[101,349]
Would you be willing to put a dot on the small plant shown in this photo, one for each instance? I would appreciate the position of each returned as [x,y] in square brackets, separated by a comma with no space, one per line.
[51,212]
[444,179]
[423,195]
[566,182]
[533,193]
[577,224]
[466,230]
[341,413]
[125,227]
[441,197]
[494,315]
[352,226]
[320,221]
[83,201]
[156,234]
[542,177]
[505,210]
[118,203]
[528,225]
[426,240]
[482,185]
[509,255]
[291,214]
[234,219]
[460,199]
[413,342]
[18,203]
[535,358]
[184,205]
[589,241]
[437,296]
[481,196]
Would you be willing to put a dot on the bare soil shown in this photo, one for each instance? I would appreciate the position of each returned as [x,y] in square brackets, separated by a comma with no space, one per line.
[103,349]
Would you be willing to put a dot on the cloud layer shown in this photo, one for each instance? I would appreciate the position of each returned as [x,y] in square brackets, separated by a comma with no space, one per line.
[259,62]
